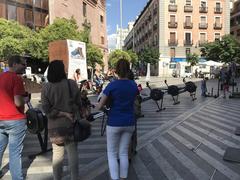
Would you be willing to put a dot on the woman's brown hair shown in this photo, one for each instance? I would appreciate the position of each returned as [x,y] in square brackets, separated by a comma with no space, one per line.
[122,68]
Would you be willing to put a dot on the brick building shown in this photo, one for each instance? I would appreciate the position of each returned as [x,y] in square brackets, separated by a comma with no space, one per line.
[33,15]
[38,13]
[235,20]
[178,27]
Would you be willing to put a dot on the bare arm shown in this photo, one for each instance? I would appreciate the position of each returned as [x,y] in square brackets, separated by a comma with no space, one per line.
[19,101]
[102,102]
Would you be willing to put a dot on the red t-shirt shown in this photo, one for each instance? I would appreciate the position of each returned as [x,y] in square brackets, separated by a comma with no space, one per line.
[10,85]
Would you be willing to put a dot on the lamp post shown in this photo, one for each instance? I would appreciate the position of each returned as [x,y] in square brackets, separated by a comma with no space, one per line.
[120,24]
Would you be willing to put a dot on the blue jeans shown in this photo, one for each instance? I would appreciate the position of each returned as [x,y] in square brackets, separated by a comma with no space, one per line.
[118,140]
[13,132]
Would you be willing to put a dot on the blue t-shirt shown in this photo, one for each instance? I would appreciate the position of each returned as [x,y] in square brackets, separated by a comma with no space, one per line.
[122,94]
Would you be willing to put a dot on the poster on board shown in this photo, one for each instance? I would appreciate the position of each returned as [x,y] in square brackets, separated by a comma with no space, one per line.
[77,58]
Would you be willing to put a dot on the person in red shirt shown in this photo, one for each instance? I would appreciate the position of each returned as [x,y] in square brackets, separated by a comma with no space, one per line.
[12,117]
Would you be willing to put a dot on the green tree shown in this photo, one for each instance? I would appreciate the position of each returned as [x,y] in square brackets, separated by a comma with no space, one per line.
[192,59]
[134,57]
[61,29]
[149,55]
[225,50]
[13,38]
[116,55]
[94,56]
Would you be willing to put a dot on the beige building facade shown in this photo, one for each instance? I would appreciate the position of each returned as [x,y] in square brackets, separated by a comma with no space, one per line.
[235,20]
[179,27]
[89,13]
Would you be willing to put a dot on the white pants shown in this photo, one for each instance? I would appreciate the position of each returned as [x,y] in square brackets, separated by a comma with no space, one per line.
[118,140]
[58,158]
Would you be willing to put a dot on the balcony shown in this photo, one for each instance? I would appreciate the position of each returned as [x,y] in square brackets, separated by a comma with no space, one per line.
[188,8]
[217,10]
[188,25]
[203,25]
[203,9]
[172,42]
[172,8]
[217,26]
[202,42]
[188,42]
[172,24]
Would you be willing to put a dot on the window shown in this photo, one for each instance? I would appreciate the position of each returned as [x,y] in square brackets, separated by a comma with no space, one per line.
[30,2]
[45,4]
[20,15]
[217,20]
[188,37]
[37,19]
[2,10]
[11,12]
[37,3]
[217,36]
[172,66]
[188,2]
[172,36]
[29,18]
[218,5]
[102,40]
[101,18]
[232,32]
[188,19]
[172,18]
[84,9]
[172,52]
[203,19]
[202,37]
[172,1]
[188,51]
[203,4]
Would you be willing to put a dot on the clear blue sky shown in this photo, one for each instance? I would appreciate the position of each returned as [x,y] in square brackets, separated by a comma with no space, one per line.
[131,9]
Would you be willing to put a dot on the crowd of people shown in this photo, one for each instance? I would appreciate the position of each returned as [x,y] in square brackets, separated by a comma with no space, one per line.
[59,106]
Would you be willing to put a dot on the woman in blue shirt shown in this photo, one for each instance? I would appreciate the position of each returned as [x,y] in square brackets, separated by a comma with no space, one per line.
[120,126]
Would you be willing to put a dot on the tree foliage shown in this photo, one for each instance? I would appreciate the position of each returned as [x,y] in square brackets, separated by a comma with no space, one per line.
[133,57]
[116,55]
[225,50]
[61,29]
[192,59]
[20,40]
[14,38]
[149,55]
[94,56]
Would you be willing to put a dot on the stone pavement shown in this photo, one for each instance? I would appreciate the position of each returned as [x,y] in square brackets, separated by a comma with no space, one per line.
[185,141]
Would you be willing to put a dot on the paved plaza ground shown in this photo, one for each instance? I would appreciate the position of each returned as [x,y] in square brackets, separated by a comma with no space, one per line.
[186,141]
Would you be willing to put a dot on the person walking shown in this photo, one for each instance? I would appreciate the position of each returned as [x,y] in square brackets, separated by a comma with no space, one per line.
[12,117]
[57,104]
[120,125]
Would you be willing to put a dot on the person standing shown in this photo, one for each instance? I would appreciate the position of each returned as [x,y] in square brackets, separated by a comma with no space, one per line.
[58,106]
[12,117]
[121,120]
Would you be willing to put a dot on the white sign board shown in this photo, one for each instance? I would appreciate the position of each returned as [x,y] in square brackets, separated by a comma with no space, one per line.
[77,58]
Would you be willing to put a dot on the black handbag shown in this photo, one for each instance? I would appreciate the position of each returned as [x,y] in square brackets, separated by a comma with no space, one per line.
[81,127]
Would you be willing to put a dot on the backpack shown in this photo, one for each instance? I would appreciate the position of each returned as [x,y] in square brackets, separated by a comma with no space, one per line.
[36,120]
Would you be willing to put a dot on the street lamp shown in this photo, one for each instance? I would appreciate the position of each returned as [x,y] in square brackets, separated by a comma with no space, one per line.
[120,24]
